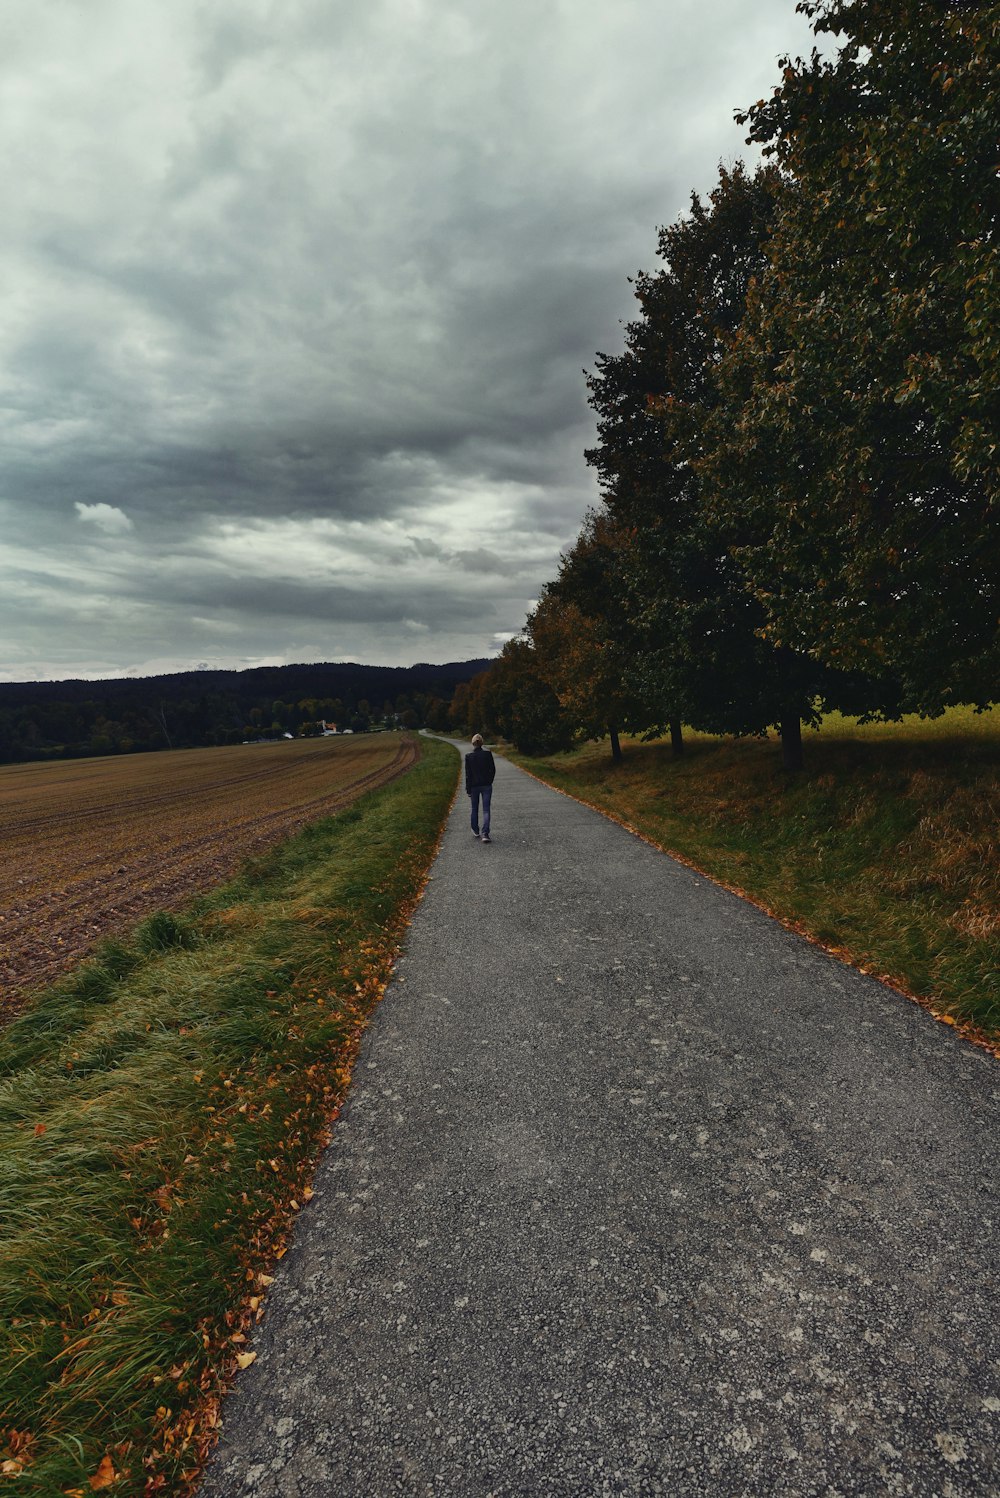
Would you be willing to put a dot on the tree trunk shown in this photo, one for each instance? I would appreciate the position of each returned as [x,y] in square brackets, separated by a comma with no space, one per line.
[791,742]
[616,748]
[161,717]
[676,738]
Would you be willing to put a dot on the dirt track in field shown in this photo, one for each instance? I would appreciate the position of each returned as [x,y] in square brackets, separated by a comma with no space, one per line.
[90,846]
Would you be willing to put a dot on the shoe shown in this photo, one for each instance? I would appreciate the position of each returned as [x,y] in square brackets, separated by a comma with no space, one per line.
[485,837]
[475,834]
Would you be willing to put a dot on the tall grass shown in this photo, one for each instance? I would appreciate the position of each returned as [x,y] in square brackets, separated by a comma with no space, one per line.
[885,849]
[161,1112]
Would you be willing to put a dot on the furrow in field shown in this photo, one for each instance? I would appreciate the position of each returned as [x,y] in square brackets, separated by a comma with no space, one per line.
[130,850]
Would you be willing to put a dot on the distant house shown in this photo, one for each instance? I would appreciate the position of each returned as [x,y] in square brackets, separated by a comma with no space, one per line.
[328,728]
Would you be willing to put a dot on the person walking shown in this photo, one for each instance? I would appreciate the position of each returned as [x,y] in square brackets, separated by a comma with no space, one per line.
[479,773]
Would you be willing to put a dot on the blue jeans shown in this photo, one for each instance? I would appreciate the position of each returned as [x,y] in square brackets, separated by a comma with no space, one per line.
[485,791]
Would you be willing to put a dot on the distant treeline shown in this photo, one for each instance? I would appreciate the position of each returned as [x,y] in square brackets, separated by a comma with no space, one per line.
[799,447]
[69,719]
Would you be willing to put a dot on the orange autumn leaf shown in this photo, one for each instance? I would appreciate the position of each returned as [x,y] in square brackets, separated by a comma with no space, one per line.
[104,1476]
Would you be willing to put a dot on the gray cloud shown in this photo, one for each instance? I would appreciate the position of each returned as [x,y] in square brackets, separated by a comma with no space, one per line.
[107,518]
[317,296]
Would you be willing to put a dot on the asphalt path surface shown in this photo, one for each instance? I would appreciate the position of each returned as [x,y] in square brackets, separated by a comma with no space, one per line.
[636,1192]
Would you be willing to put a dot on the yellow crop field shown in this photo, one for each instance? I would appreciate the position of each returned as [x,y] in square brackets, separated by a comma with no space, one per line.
[91,845]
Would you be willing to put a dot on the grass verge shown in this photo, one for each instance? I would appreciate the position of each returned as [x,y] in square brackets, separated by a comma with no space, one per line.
[885,849]
[161,1113]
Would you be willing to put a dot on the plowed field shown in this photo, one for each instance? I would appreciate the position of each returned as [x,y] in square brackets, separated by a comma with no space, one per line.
[91,845]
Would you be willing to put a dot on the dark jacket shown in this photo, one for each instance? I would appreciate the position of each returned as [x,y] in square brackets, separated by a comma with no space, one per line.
[479,768]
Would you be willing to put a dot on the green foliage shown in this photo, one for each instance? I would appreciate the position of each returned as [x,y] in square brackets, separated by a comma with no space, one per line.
[798,446]
[583,639]
[856,451]
[59,720]
[516,701]
[161,931]
[698,640]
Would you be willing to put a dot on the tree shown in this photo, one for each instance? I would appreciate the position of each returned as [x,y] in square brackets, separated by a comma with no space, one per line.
[518,703]
[700,650]
[161,718]
[459,715]
[857,455]
[582,639]
[436,714]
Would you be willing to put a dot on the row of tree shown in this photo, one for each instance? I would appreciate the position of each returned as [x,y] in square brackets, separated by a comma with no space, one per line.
[59,720]
[93,727]
[798,446]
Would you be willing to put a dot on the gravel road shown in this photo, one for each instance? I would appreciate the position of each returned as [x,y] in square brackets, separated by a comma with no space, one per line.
[637,1192]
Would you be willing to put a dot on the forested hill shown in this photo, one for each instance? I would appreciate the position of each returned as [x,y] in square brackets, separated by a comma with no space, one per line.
[65,719]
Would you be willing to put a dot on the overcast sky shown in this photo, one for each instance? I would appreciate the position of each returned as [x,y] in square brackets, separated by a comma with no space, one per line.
[296,299]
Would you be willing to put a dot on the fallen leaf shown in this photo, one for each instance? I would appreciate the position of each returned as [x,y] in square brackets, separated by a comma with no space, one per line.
[39,1130]
[245,1358]
[104,1476]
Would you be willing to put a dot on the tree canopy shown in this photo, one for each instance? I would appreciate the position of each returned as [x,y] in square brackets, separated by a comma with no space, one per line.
[798,445]
[858,439]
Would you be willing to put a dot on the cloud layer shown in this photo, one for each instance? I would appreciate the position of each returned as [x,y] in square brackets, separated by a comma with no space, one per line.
[296,301]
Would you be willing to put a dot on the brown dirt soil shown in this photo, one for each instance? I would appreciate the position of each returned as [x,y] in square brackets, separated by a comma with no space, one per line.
[90,846]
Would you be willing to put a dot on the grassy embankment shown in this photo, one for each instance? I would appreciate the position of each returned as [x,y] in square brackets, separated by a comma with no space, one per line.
[161,1113]
[885,849]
